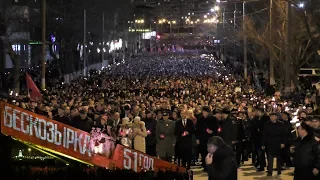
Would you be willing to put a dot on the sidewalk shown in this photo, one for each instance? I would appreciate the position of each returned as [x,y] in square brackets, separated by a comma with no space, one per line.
[247,172]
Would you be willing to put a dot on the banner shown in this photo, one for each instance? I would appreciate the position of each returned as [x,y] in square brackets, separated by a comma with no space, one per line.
[73,143]
[33,89]
[54,136]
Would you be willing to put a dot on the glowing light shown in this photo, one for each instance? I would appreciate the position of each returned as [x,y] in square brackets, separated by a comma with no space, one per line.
[301,5]
[216,8]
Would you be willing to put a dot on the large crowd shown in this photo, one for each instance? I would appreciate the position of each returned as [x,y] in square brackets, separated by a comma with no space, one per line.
[170,105]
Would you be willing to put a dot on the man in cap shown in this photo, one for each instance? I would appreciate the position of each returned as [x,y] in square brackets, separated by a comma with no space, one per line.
[274,139]
[165,137]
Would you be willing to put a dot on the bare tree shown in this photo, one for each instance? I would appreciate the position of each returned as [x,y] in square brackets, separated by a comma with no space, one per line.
[301,48]
[15,21]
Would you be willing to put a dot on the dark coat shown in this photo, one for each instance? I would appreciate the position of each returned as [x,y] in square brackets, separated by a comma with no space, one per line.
[201,128]
[274,135]
[184,142]
[257,128]
[228,130]
[83,124]
[307,157]
[151,125]
[223,165]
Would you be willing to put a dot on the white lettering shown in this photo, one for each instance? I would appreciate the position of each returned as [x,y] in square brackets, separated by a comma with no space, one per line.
[64,137]
[14,119]
[24,117]
[86,142]
[151,164]
[77,142]
[33,124]
[50,133]
[43,135]
[141,156]
[7,116]
[127,158]
[46,130]
[133,160]
[70,137]
[57,136]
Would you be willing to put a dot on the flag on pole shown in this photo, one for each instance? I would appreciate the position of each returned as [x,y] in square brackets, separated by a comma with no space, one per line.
[33,90]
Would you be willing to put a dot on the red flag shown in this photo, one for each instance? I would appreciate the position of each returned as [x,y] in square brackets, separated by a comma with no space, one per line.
[33,90]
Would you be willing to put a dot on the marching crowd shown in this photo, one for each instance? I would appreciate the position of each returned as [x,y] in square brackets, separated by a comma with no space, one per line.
[170,106]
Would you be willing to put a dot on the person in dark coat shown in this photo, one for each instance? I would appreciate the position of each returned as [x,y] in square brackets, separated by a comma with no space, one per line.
[206,127]
[228,128]
[306,153]
[184,129]
[151,140]
[220,161]
[274,139]
[285,154]
[61,117]
[258,154]
[83,122]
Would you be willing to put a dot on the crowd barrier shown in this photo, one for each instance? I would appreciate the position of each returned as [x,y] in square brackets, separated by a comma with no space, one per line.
[58,138]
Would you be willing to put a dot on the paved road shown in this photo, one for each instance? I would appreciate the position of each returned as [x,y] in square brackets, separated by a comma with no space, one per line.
[247,172]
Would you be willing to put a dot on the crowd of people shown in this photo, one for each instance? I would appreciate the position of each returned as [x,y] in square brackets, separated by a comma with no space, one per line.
[170,106]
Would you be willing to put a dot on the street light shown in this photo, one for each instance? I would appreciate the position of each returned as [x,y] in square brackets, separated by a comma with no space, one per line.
[205,16]
[216,8]
[301,5]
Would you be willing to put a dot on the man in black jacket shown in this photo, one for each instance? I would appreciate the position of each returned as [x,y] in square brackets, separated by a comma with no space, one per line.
[184,129]
[206,127]
[151,140]
[306,153]
[274,139]
[228,128]
[258,123]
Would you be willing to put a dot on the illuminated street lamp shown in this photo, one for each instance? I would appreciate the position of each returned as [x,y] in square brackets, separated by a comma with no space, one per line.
[216,8]
[205,16]
[301,5]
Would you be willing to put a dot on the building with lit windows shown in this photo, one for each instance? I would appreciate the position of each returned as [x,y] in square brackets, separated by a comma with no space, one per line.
[177,11]
[21,31]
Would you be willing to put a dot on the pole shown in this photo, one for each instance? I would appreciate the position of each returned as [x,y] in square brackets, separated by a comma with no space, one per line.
[43,62]
[288,68]
[271,63]
[223,27]
[84,43]
[102,49]
[245,60]
[234,30]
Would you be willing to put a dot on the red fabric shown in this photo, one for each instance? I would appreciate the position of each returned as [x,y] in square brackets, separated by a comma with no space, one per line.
[34,92]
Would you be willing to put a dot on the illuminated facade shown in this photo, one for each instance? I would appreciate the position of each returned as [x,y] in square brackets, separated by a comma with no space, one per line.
[177,10]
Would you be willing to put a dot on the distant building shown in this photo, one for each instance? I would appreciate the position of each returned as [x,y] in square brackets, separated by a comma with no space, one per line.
[21,30]
[178,11]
